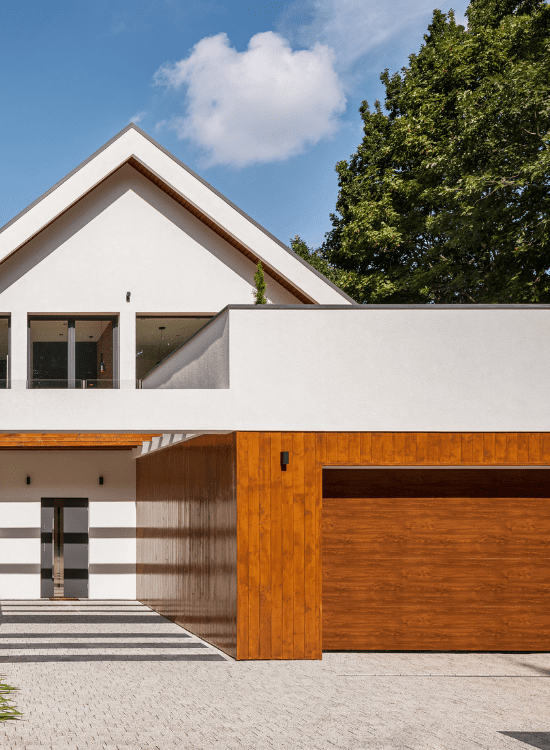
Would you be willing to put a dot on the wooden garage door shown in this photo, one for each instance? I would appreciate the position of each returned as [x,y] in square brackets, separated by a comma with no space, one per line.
[436,559]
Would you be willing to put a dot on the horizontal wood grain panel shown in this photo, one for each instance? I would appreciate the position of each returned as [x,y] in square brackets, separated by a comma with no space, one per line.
[386,628]
[468,572]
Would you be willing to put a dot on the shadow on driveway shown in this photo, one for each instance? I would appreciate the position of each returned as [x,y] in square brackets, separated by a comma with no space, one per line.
[534,739]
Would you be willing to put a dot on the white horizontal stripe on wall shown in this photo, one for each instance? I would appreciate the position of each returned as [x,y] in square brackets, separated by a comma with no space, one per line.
[112,551]
[20,551]
[19,586]
[14,514]
[114,514]
[112,586]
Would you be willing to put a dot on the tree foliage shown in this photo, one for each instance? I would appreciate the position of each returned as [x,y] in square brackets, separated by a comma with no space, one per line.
[447,197]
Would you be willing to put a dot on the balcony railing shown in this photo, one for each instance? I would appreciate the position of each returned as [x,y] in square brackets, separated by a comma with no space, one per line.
[65,384]
[39,383]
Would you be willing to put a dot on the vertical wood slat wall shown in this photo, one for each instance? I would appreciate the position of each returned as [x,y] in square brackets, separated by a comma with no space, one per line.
[279,518]
[187,536]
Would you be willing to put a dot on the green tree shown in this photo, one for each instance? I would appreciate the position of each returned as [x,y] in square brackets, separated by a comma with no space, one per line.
[447,197]
[259,280]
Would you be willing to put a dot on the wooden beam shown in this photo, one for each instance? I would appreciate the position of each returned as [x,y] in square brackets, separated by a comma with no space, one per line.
[72,440]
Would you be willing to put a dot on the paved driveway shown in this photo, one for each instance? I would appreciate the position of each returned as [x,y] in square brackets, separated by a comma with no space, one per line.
[116,675]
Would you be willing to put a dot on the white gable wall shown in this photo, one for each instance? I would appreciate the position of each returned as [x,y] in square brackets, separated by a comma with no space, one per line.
[126,235]
[132,142]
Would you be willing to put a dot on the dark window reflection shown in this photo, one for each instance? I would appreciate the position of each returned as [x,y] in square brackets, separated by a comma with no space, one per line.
[83,346]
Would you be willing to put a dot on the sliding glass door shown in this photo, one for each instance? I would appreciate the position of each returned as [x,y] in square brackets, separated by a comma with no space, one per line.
[66,352]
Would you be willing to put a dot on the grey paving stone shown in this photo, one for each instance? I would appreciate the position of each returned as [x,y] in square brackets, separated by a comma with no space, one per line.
[347,701]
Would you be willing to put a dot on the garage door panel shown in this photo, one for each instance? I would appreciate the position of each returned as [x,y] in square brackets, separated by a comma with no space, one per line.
[487,547]
[427,629]
[464,590]
[440,572]
[510,528]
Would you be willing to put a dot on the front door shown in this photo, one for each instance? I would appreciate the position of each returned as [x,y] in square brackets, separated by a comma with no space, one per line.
[64,548]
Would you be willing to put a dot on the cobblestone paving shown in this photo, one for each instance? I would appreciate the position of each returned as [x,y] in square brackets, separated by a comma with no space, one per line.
[116,675]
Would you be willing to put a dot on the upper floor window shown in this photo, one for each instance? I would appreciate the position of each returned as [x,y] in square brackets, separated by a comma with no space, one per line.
[68,352]
[4,352]
[156,338]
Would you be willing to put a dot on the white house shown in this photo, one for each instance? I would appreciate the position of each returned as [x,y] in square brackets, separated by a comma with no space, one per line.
[163,438]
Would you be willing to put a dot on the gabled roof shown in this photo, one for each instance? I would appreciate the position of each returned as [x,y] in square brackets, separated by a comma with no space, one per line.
[134,147]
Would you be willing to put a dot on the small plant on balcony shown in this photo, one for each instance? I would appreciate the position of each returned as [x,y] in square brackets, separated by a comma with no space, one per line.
[259,280]
[7,710]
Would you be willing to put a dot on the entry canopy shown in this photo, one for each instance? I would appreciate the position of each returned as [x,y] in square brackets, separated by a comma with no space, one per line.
[134,147]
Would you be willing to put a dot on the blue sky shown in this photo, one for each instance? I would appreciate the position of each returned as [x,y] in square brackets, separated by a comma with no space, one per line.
[259,98]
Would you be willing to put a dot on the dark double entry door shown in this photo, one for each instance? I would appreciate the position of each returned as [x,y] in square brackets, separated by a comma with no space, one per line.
[64,548]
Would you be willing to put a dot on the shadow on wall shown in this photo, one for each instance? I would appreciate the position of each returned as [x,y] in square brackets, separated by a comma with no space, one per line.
[533,739]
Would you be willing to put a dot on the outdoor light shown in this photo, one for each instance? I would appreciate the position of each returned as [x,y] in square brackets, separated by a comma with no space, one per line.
[28,480]
[100,480]
[102,364]
[128,295]
[284,460]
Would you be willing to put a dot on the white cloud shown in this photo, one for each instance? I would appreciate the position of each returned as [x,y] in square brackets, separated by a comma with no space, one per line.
[353,28]
[261,105]
[271,102]
[137,118]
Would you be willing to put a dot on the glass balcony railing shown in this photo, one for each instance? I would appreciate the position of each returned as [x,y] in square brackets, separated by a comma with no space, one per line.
[65,384]
[38,383]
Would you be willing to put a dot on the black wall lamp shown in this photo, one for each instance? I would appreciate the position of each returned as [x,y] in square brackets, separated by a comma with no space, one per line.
[28,480]
[128,295]
[284,460]
[100,480]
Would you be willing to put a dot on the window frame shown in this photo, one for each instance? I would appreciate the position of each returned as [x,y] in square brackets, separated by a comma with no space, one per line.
[71,344]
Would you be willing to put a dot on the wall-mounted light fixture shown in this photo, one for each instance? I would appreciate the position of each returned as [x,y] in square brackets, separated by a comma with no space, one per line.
[128,295]
[28,480]
[100,480]
[284,460]
[101,364]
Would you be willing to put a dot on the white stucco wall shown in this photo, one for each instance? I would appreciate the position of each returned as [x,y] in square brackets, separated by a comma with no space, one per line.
[393,369]
[402,369]
[69,474]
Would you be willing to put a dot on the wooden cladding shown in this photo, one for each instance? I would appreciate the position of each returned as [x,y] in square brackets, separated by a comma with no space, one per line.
[438,448]
[230,539]
[72,440]
[186,536]
[279,519]
[279,545]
